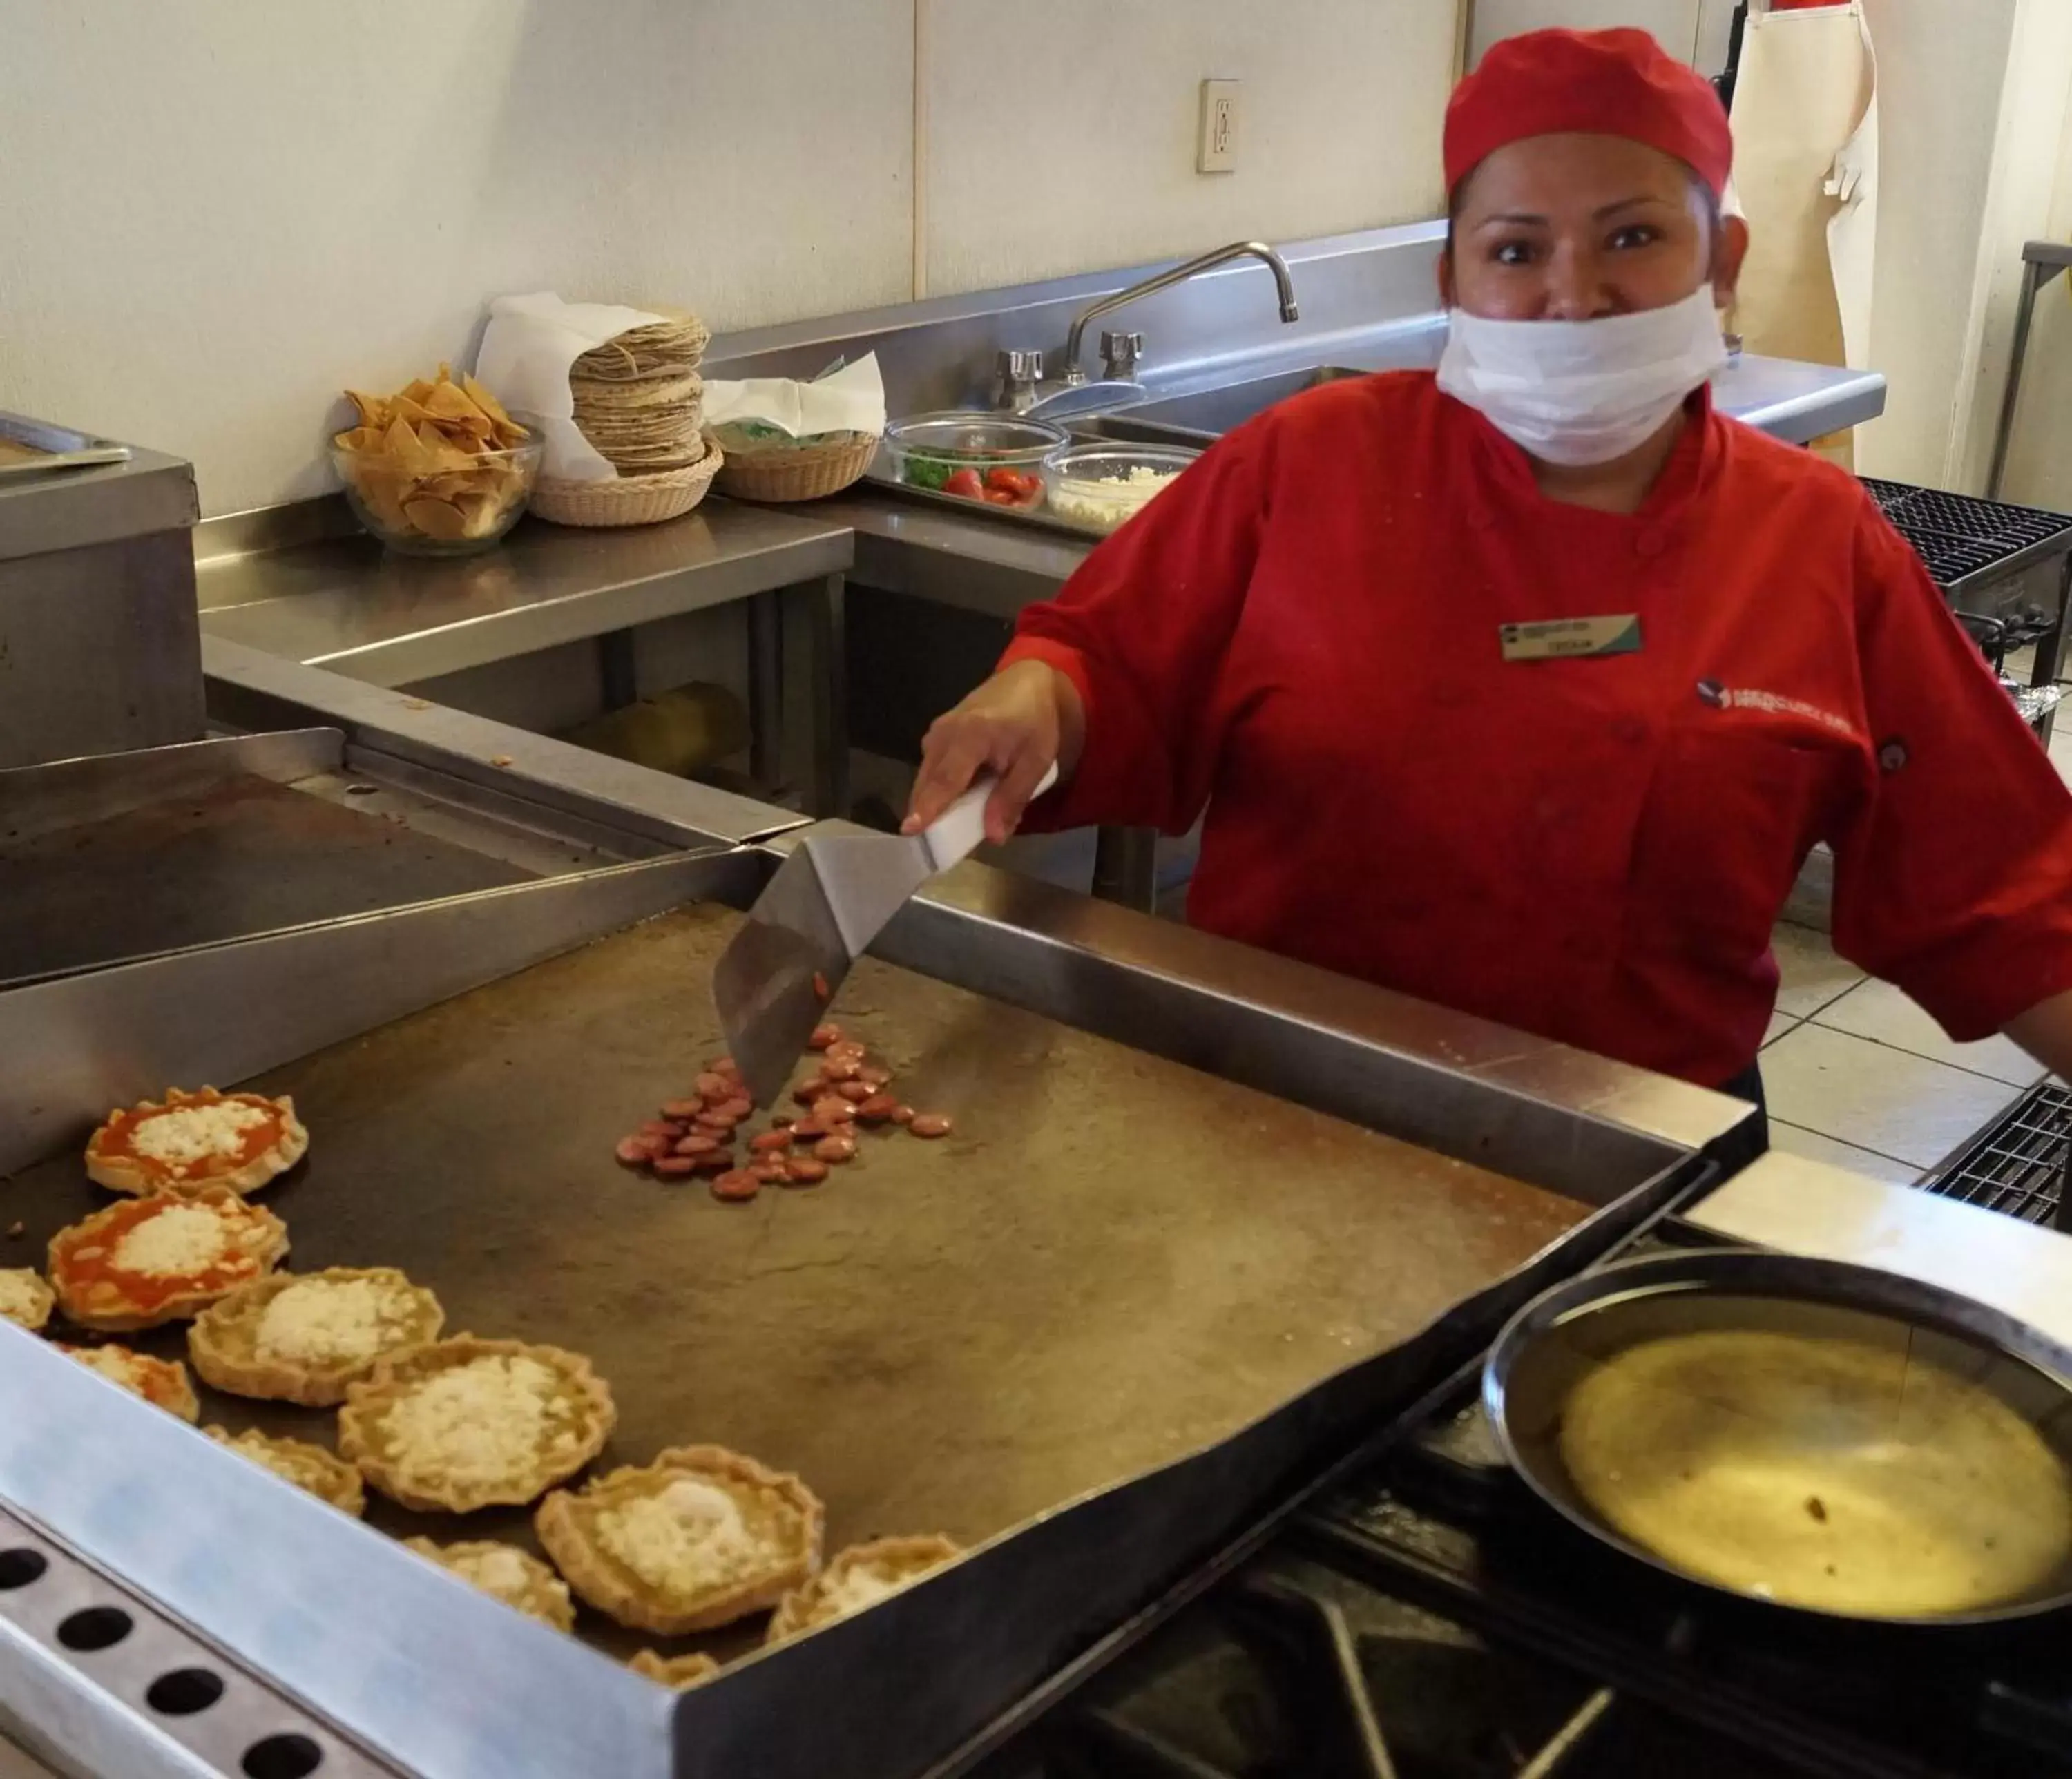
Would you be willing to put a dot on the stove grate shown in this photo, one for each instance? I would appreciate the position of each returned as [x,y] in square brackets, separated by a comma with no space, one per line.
[2016,1165]
[1959,536]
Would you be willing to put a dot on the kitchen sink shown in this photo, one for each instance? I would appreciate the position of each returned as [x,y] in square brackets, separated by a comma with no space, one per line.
[1191,419]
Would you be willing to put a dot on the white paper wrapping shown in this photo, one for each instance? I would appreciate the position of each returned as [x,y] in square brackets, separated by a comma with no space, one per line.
[851,400]
[526,352]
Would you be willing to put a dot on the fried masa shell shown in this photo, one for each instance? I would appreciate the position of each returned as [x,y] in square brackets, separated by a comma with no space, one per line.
[26,1299]
[96,1291]
[112,1160]
[164,1383]
[230,1346]
[504,1572]
[697,1538]
[676,1671]
[464,1422]
[311,1468]
[856,1579]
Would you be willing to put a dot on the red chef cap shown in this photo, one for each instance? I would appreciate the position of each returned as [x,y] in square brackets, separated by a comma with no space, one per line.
[1603,82]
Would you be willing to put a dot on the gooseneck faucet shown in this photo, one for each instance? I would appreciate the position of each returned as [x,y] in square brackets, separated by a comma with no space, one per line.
[1284,287]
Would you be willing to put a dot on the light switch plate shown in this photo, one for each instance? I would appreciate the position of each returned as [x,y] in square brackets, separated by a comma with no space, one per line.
[1216,150]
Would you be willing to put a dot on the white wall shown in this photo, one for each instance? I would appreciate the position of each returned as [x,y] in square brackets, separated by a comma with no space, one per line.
[2039,470]
[1696,30]
[215,215]
[2033,122]
[1338,128]
[1941,73]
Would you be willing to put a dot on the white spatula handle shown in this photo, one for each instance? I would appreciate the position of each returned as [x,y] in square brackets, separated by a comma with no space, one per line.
[960,829]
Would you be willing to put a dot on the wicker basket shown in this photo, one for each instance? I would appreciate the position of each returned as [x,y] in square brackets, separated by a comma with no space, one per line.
[811,473]
[629,499]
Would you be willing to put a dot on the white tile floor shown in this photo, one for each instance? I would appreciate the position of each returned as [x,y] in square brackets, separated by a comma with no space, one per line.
[1858,1075]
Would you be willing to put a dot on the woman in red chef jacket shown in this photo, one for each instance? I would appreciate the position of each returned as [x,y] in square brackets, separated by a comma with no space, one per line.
[1526,687]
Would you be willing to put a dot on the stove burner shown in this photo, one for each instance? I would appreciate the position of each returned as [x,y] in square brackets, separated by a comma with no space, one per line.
[1435,1620]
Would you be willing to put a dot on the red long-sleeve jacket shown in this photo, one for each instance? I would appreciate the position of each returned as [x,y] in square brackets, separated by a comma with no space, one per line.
[1307,635]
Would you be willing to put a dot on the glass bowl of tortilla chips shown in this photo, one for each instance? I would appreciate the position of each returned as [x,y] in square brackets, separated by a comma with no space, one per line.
[437,469]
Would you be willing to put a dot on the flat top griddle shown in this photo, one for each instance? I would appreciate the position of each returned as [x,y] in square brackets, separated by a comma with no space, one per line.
[245,855]
[1115,1260]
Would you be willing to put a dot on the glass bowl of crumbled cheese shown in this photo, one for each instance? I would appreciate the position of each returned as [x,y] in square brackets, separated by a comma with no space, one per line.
[1098,487]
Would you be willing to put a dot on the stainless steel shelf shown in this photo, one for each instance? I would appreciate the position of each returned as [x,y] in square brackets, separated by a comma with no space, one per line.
[347,604]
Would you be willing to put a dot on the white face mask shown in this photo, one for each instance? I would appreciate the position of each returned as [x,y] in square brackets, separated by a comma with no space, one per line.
[1582,392]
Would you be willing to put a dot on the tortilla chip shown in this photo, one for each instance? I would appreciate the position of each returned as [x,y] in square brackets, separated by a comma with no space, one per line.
[448,485]
[429,459]
[480,513]
[447,402]
[483,400]
[438,518]
[440,453]
[473,436]
[381,489]
[401,443]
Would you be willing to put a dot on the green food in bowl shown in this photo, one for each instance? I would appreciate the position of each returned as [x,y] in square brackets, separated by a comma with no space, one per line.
[748,438]
[930,472]
[974,454]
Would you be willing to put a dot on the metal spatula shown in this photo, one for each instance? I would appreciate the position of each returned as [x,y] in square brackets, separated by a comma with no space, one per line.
[815,919]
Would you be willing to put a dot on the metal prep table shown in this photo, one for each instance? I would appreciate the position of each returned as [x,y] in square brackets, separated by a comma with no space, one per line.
[1192,1131]
[2040,262]
[304,583]
[98,630]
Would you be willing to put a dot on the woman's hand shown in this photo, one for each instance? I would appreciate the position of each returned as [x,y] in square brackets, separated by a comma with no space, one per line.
[1014,725]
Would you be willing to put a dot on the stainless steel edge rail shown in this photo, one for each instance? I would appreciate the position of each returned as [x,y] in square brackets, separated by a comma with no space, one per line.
[102,1682]
[1582,1125]
[34,800]
[79,1044]
[370,1636]
[253,690]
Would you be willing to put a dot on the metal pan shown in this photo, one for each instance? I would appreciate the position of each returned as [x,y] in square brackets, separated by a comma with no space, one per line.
[1826,1438]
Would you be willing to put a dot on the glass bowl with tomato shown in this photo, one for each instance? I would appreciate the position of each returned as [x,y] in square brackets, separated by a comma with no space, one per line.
[995,459]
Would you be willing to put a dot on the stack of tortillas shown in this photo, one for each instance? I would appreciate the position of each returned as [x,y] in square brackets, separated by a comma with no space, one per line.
[640,403]
[639,399]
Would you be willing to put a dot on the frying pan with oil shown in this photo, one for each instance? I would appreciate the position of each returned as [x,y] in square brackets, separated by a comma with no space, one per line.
[1823,1436]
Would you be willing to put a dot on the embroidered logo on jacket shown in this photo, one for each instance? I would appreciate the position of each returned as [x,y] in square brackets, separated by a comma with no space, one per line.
[1775,703]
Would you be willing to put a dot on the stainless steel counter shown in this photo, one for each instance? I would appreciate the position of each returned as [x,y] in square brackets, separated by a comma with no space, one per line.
[1805,1207]
[346,604]
[250,688]
[1798,402]
[978,564]
[77,509]
[97,626]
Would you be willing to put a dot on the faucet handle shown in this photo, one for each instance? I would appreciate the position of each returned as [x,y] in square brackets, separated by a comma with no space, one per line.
[1120,352]
[1020,369]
